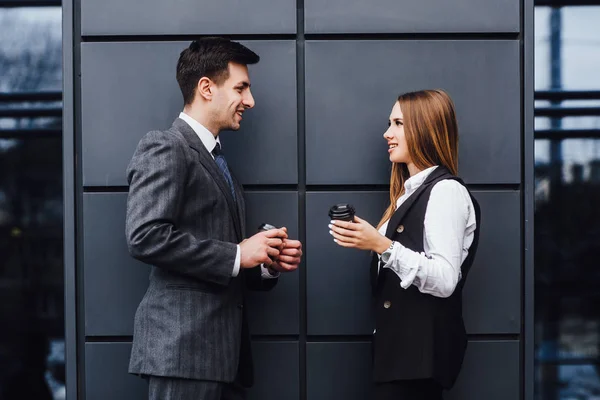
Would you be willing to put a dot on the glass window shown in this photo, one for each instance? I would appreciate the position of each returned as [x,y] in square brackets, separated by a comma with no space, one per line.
[567,194]
[542,48]
[580,43]
[31,216]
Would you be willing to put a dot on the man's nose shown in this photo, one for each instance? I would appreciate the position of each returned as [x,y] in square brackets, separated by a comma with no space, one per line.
[249,100]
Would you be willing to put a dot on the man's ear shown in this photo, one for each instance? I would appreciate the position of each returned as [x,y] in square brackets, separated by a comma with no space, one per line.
[205,88]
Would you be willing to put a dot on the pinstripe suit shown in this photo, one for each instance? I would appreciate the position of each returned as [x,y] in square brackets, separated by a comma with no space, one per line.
[183,220]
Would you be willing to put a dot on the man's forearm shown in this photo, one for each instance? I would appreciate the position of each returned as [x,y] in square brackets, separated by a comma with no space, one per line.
[164,246]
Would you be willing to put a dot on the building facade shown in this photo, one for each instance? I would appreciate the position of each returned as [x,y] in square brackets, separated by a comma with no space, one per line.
[329,74]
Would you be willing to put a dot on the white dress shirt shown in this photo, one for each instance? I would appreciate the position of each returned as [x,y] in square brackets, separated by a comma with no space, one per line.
[448,233]
[210,143]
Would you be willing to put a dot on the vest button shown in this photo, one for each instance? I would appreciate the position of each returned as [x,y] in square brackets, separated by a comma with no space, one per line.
[387,304]
[400,229]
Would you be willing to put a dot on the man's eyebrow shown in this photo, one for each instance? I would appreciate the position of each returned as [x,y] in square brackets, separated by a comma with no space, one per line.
[244,84]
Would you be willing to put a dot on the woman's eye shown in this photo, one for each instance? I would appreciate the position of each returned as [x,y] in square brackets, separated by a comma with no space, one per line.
[398,123]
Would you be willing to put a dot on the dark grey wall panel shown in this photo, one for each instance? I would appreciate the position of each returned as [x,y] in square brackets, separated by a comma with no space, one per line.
[338,371]
[106,374]
[389,16]
[265,150]
[338,289]
[490,371]
[339,297]
[275,364]
[114,281]
[129,89]
[343,371]
[347,108]
[276,311]
[276,371]
[494,282]
[159,17]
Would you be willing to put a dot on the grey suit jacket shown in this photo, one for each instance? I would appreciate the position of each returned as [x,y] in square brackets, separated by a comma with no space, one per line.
[183,220]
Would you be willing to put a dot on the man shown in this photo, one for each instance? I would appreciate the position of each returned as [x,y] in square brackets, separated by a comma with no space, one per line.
[185,217]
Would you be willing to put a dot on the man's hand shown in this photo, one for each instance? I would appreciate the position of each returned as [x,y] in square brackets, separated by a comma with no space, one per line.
[289,257]
[261,248]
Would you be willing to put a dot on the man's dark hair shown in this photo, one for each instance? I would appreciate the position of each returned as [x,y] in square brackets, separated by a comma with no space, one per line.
[209,57]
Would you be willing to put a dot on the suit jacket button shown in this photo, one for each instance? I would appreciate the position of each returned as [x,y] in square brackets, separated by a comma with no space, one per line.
[387,304]
[400,229]
[240,306]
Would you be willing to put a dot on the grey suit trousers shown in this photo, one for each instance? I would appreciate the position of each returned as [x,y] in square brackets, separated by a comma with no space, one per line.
[167,388]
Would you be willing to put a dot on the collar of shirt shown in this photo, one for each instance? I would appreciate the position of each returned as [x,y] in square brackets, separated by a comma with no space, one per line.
[414,182]
[204,134]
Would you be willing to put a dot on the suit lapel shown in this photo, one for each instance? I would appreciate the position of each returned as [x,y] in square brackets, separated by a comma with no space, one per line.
[408,203]
[211,166]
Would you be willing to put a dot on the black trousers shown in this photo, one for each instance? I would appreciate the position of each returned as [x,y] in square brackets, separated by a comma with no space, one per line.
[165,388]
[418,389]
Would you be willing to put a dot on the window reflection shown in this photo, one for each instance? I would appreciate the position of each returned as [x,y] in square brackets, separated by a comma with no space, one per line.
[31,271]
[567,195]
[567,244]
[32,354]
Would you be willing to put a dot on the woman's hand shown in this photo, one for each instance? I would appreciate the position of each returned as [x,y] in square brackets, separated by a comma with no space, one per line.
[359,235]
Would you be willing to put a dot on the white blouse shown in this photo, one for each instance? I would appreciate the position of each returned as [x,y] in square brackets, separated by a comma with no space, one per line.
[448,232]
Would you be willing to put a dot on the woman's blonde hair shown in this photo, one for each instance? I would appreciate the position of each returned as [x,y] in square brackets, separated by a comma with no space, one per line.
[431,133]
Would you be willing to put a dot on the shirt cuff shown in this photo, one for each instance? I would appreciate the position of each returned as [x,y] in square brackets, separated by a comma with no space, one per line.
[236,263]
[267,274]
[404,262]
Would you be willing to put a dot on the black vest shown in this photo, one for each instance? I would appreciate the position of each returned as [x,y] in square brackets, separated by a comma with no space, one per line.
[418,336]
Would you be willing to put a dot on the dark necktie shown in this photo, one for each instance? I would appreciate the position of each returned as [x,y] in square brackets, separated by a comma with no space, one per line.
[220,160]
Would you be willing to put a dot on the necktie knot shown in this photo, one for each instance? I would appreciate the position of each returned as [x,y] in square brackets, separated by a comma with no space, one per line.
[217,150]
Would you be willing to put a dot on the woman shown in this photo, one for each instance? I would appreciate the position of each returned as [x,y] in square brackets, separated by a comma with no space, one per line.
[424,244]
